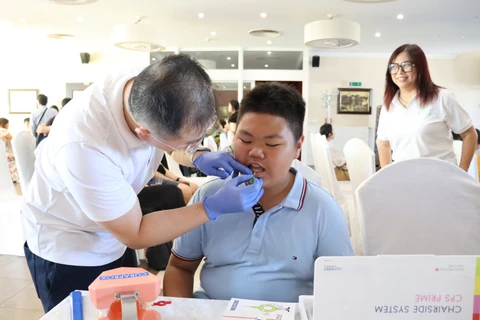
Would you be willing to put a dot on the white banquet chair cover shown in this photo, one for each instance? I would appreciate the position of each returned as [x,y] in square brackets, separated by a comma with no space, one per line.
[360,161]
[420,206]
[307,172]
[12,237]
[324,167]
[23,145]
[209,142]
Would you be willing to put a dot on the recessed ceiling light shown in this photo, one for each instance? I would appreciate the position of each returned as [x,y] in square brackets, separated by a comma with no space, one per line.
[233,65]
[266,66]
[269,52]
[244,87]
[463,37]
[269,42]
[213,33]
[201,15]
[378,34]
[400,16]
[229,58]
[263,15]
[153,59]
[23,20]
[79,18]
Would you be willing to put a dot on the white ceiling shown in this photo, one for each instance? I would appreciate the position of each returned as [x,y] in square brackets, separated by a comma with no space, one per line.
[440,27]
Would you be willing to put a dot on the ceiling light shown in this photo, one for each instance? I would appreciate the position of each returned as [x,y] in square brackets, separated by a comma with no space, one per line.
[269,42]
[153,59]
[400,16]
[61,36]
[229,58]
[332,34]
[137,37]
[269,52]
[233,65]
[266,66]
[264,33]
[244,87]
[79,18]
[263,15]
[378,34]
[75,2]
[23,20]
[201,15]
[213,33]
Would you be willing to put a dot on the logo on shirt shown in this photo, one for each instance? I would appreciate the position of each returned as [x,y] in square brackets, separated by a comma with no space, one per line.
[294,258]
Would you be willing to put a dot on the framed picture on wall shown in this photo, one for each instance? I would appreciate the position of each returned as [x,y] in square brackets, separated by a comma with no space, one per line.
[354,101]
[22,100]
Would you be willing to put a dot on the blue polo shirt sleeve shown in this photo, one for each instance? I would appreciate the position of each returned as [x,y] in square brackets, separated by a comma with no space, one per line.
[189,246]
[334,239]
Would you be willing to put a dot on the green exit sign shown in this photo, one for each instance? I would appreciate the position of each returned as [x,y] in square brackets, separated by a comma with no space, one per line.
[355,84]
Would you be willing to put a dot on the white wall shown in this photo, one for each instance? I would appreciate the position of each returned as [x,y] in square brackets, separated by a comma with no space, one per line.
[47,65]
[335,72]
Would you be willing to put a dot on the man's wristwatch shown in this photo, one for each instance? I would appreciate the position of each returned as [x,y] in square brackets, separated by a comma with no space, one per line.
[196,150]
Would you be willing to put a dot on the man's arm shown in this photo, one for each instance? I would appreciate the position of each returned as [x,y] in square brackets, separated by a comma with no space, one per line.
[179,277]
[137,231]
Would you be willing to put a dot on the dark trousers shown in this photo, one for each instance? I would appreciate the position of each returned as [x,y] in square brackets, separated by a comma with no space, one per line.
[54,281]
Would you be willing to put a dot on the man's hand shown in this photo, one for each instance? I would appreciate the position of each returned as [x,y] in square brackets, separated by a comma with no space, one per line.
[220,164]
[232,198]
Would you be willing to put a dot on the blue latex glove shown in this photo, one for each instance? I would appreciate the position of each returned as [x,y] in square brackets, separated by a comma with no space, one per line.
[220,164]
[233,197]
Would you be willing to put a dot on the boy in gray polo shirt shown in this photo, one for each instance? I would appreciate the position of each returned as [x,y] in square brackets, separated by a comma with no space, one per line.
[267,253]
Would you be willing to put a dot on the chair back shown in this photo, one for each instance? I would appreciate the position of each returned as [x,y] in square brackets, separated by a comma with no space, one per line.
[224,142]
[360,161]
[210,143]
[324,167]
[23,145]
[307,172]
[473,169]
[420,206]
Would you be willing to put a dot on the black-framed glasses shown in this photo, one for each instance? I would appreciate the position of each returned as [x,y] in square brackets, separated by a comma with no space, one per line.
[406,66]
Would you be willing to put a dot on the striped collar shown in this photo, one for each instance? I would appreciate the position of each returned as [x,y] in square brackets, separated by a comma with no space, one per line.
[296,196]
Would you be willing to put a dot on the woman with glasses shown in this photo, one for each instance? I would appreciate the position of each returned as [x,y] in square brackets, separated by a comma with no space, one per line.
[418,116]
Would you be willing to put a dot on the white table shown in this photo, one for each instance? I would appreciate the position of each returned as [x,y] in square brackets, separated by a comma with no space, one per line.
[179,309]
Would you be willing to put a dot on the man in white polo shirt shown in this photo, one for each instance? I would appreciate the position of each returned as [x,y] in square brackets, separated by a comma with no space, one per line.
[82,209]
[266,252]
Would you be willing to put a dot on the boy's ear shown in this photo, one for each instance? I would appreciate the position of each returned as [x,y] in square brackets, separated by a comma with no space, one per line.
[299,146]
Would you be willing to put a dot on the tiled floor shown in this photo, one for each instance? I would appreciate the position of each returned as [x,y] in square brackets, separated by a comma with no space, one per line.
[18,299]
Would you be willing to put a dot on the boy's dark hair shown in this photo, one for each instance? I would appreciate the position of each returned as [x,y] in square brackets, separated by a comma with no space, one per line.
[326,130]
[55,107]
[26,120]
[278,100]
[42,99]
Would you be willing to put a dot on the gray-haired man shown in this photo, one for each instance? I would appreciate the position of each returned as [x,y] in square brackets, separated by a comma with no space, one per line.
[82,208]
